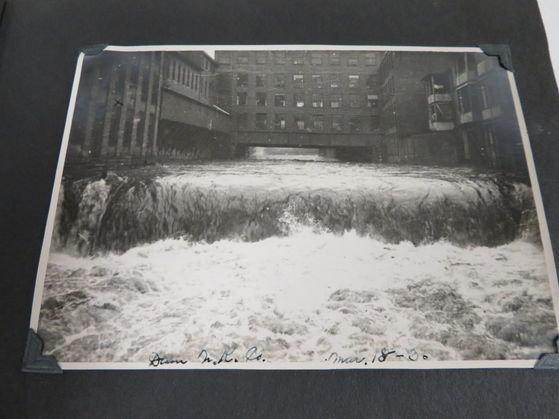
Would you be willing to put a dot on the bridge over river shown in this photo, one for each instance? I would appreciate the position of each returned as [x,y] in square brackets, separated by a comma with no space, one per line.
[138,108]
[307,139]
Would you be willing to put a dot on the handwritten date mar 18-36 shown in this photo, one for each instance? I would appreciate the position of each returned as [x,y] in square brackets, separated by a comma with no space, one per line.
[384,355]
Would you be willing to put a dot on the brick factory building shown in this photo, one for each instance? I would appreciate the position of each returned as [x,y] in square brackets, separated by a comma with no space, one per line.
[448,108]
[318,99]
[138,107]
[486,117]
[396,107]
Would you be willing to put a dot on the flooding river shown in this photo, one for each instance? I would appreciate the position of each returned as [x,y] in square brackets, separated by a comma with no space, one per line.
[300,256]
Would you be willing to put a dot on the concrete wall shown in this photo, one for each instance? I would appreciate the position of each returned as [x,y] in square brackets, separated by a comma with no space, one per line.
[177,108]
[180,142]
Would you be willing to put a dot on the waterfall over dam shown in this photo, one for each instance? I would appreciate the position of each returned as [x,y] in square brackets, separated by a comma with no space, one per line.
[300,258]
[257,200]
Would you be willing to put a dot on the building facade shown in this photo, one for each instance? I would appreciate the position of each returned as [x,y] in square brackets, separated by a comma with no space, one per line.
[302,98]
[135,107]
[397,107]
[408,134]
[448,108]
[193,126]
[485,113]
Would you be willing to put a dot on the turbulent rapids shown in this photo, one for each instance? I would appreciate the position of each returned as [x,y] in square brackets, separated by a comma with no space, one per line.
[299,258]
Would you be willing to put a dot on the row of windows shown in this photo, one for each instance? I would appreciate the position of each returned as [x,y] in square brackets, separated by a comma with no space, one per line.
[181,73]
[263,121]
[300,100]
[300,58]
[319,81]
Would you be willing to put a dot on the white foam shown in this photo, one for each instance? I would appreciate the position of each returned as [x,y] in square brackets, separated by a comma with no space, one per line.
[298,297]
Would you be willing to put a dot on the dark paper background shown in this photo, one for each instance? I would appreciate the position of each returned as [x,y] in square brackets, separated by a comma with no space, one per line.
[39,44]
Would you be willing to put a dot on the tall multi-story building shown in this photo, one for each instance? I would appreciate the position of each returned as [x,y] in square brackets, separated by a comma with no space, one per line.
[137,106]
[485,114]
[409,107]
[408,133]
[302,98]
[192,123]
[448,108]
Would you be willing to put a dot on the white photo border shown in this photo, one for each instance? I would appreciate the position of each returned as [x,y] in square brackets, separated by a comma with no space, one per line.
[314,365]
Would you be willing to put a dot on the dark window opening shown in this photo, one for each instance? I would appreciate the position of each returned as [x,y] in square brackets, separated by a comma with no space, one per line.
[299,100]
[337,123]
[336,101]
[279,80]
[242,80]
[464,99]
[317,81]
[317,101]
[316,59]
[335,80]
[280,100]
[355,124]
[241,98]
[260,80]
[318,122]
[242,121]
[371,81]
[370,58]
[279,57]
[335,58]
[373,123]
[372,101]
[279,121]
[353,81]
[260,99]
[242,59]
[298,59]
[354,101]
[261,121]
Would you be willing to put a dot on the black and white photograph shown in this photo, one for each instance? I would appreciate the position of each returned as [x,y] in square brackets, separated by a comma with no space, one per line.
[289,207]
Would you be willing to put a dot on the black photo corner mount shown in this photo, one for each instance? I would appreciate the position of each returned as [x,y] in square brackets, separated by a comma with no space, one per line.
[93,49]
[33,359]
[549,361]
[501,51]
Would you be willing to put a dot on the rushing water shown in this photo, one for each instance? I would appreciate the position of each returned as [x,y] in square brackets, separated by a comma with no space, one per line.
[301,258]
